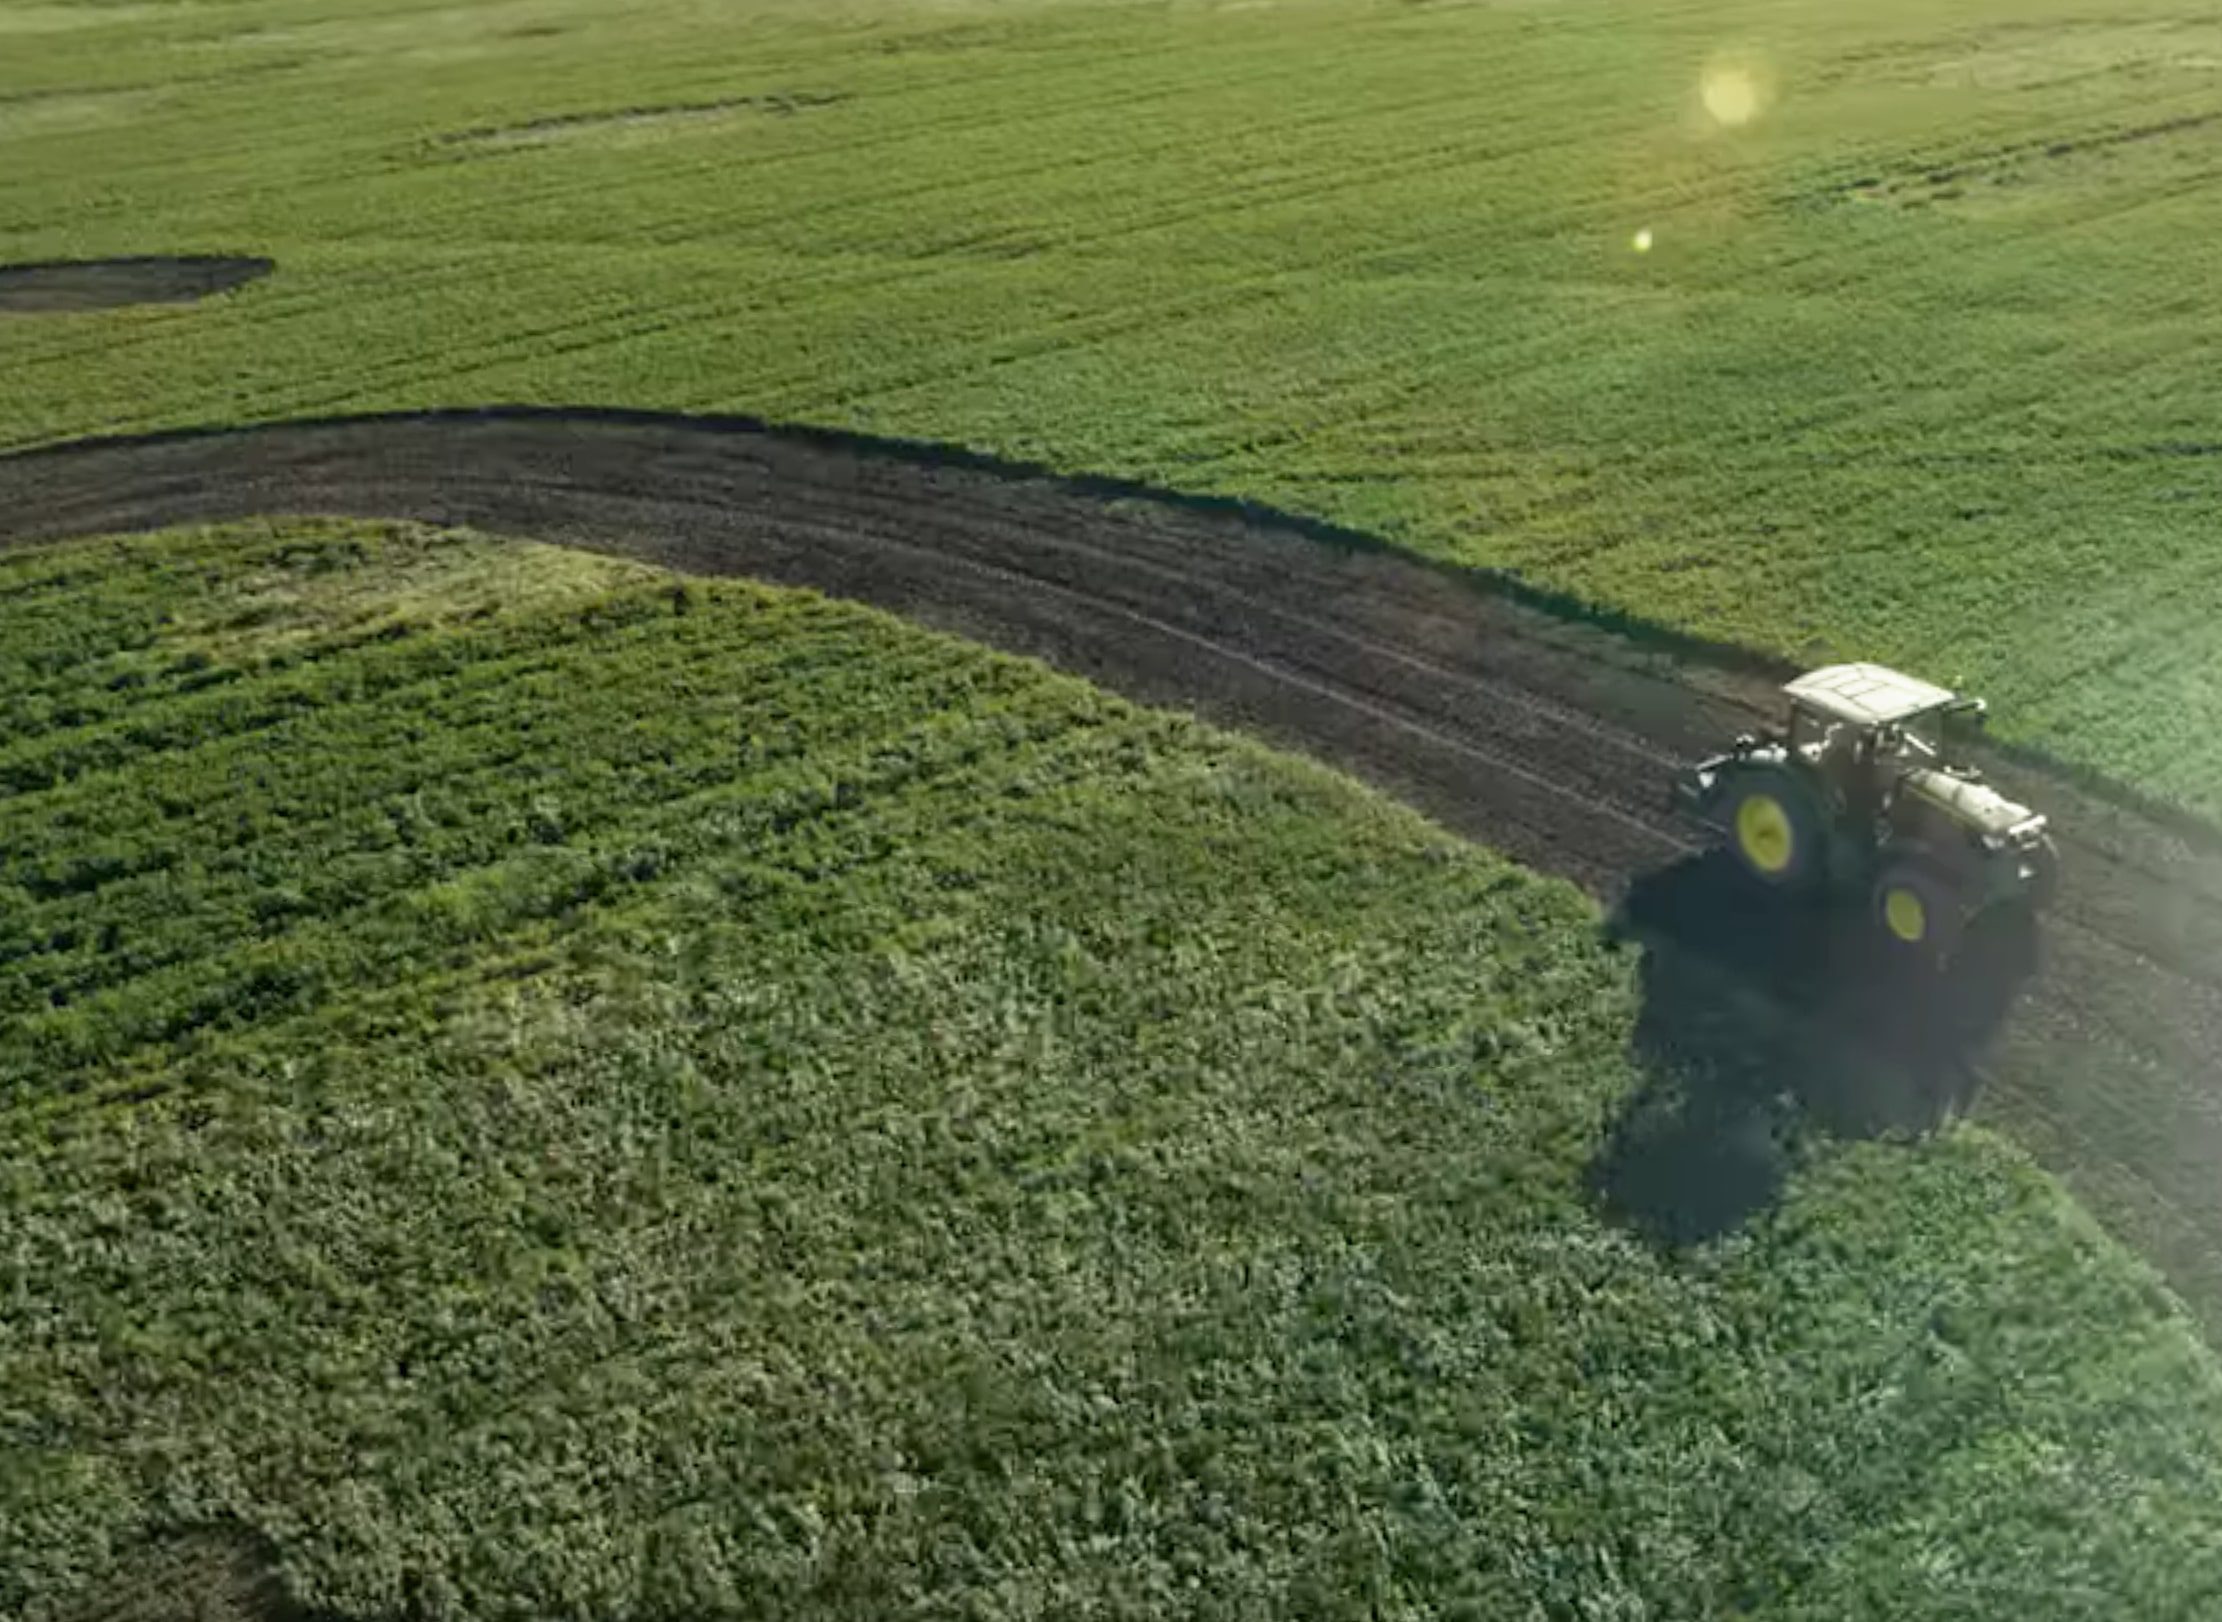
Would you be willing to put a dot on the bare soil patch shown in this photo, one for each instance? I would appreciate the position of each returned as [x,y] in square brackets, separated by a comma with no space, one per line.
[106,284]
[1988,175]
[575,126]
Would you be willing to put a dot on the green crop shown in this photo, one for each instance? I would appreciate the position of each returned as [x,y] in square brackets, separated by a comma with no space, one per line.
[1917,366]
[546,1090]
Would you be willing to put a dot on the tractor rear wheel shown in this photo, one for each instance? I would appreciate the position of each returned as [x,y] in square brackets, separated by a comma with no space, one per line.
[1918,910]
[1777,831]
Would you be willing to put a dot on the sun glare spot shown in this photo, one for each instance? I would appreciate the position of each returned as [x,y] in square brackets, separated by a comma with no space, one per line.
[1734,92]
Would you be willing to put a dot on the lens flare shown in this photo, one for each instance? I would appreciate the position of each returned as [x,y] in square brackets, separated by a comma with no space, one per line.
[1735,92]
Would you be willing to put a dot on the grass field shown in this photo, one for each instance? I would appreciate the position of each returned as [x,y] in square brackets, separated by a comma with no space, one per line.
[1918,364]
[542,1091]
[536,1089]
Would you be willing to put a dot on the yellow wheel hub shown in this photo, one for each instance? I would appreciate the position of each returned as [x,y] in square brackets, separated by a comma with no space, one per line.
[1906,915]
[1764,834]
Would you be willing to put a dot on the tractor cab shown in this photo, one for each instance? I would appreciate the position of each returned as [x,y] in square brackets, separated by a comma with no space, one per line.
[1868,788]
[1871,717]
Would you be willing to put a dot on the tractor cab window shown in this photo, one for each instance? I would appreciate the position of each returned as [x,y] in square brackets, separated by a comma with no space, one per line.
[1924,736]
[1824,740]
[1808,729]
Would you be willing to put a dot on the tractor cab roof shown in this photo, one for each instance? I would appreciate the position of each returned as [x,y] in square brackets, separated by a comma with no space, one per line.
[1866,695]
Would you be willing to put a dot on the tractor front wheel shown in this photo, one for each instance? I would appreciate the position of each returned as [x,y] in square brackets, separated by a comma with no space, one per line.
[1918,910]
[1776,831]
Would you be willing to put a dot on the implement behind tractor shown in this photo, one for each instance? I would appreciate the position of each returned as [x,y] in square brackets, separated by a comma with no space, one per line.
[1866,792]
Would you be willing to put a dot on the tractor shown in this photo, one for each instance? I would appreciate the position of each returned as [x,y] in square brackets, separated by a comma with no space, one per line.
[1867,792]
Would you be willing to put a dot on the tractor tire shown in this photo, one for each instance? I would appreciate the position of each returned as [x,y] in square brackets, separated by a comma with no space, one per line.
[1777,832]
[1918,910]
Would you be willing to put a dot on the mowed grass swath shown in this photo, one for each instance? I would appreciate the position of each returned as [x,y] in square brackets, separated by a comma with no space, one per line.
[688,1099]
[1917,365]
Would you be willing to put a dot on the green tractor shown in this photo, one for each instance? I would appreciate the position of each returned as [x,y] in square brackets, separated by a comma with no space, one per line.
[1867,792]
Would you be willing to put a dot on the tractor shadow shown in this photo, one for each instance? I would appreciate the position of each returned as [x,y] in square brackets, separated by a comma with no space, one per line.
[1761,1023]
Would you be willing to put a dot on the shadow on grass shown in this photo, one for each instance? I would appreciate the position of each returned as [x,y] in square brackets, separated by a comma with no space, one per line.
[1763,1021]
[217,1573]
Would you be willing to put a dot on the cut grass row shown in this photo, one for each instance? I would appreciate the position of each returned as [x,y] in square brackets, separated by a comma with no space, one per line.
[1916,370]
[796,1116]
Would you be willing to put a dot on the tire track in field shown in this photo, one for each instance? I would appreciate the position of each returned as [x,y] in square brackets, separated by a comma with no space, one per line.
[1548,737]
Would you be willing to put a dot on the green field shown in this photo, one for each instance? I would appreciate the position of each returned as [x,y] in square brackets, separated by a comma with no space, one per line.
[546,1091]
[1920,365]
[538,1089]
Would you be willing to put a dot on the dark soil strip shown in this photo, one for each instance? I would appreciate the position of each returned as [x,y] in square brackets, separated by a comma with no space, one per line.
[106,284]
[1548,737]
